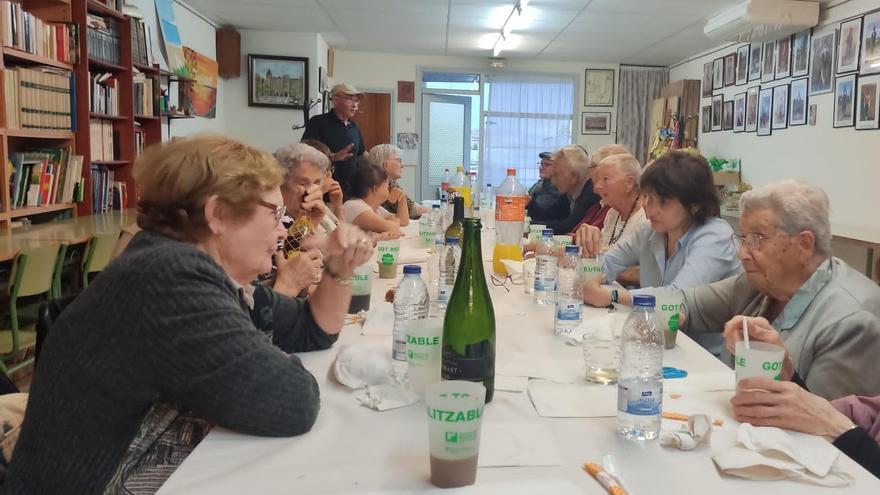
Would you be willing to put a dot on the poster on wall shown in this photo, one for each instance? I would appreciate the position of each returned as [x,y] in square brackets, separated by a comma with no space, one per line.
[717,102]
[742,65]
[822,63]
[848,45]
[739,112]
[172,43]
[768,70]
[871,44]
[765,111]
[800,54]
[708,76]
[595,123]
[797,109]
[755,62]
[407,140]
[599,87]
[752,108]
[867,116]
[844,101]
[706,116]
[783,58]
[780,107]
[277,82]
[202,91]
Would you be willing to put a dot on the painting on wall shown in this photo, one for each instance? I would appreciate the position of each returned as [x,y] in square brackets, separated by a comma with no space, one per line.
[406,91]
[717,102]
[407,140]
[599,87]
[871,44]
[277,82]
[848,45]
[783,58]
[822,63]
[768,69]
[800,54]
[595,123]
[845,101]
[866,103]
[171,37]
[202,91]
[729,70]
[706,115]
[718,73]
[752,108]
[765,111]
[739,112]
[708,78]
[797,107]
[742,65]
[754,62]
[780,107]
[727,116]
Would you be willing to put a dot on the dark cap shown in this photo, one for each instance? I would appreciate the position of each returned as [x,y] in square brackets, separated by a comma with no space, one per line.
[545,155]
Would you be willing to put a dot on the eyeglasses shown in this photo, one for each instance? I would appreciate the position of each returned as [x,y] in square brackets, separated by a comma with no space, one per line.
[280,211]
[752,240]
[515,279]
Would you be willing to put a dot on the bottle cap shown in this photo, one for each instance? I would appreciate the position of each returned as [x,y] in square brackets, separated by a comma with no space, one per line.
[511,171]
[452,240]
[644,301]
[412,270]
[571,249]
[547,232]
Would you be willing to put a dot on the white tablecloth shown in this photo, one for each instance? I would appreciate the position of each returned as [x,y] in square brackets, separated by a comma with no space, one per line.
[352,449]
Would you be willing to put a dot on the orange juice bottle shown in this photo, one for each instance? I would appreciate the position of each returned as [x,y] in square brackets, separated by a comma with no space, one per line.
[510,213]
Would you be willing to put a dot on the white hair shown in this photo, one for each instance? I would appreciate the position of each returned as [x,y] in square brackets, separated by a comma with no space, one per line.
[381,153]
[798,206]
[604,152]
[290,156]
[625,164]
[576,157]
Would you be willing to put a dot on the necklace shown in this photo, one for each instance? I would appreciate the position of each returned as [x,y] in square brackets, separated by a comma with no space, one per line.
[615,236]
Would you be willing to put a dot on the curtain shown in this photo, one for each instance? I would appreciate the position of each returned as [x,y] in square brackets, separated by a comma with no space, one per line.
[639,87]
[525,115]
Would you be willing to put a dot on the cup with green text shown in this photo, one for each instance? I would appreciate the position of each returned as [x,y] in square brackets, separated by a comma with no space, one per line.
[670,311]
[591,267]
[387,253]
[535,232]
[562,240]
[760,359]
[455,411]
[423,349]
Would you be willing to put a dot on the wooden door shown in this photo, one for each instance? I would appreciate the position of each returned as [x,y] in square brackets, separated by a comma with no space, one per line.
[374,119]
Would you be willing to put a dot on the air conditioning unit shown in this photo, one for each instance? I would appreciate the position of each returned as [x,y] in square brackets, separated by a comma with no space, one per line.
[763,20]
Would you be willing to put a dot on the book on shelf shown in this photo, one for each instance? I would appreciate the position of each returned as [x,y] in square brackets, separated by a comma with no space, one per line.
[43,177]
[141,49]
[24,31]
[103,93]
[103,42]
[139,140]
[107,193]
[144,94]
[39,97]
[104,140]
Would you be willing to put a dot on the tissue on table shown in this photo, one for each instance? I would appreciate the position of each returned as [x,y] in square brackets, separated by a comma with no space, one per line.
[359,367]
[696,432]
[386,396]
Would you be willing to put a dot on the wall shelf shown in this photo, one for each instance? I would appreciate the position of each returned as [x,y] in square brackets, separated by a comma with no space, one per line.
[25,57]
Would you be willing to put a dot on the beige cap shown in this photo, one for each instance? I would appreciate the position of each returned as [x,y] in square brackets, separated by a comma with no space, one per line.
[345,89]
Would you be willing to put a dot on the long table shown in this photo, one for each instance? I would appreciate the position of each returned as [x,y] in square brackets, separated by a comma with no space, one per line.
[353,449]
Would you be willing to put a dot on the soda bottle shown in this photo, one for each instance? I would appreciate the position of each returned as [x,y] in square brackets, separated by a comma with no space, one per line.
[510,213]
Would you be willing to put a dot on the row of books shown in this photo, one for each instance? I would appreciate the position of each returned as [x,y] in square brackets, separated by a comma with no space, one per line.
[139,140]
[104,140]
[141,42]
[39,97]
[45,177]
[144,95]
[103,94]
[107,193]
[103,42]
[24,31]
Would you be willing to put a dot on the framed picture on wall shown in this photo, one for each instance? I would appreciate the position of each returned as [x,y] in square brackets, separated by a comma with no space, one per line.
[742,65]
[718,73]
[845,101]
[848,42]
[800,54]
[727,116]
[752,108]
[797,107]
[595,123]
[768,63]
[755,61]
[870,59]
[867,116]
[780,107]
[717,102]
[277,82]
[765,111]
[599,88]
[708,79]
[739,112]
[706,116]
[822,63]
[783,58]
[730,70]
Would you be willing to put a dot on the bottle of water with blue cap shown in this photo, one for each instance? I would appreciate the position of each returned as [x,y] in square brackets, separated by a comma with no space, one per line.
[640,377]
[545,269]
[410,303]
[569,293]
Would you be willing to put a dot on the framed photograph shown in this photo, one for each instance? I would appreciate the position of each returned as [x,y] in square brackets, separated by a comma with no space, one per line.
[780,107]
[867,116]
[848,42]
[708,79]
[845,101]
[800,54]
[870,58]
[277,82]
[730,70]
[739,112]
[727,116]
[599,87]
[755,61]
[706,115]
[752,108]
[718,73]
[822,63]
[717,102]
[742,65]
[783,58]
[765,111]
[797,107]
[595,123]
[768,62]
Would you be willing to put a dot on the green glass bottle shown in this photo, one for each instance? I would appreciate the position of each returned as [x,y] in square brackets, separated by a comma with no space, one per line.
[469,325]
[455,228]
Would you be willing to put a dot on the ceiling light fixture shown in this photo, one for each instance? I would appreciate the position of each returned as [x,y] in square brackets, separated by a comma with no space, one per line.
[507,28]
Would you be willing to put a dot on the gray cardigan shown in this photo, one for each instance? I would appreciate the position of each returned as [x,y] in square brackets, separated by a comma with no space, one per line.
[835,344]
[163,324]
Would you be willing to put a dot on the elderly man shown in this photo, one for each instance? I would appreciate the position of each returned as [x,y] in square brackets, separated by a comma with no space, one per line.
[339,133]
[827,313]
[571,176]
[545,202]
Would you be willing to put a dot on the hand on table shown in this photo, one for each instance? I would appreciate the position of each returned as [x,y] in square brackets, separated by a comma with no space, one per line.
[760,330]
[595,294]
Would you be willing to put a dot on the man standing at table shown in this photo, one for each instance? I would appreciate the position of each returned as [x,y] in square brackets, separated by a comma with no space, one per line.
[339,133]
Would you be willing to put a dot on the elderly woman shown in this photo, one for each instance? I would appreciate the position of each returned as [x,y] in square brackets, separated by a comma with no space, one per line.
[369,190]
[685,244]
[571,175]
[388,157]
[333,197]
[827,313]
[172,338]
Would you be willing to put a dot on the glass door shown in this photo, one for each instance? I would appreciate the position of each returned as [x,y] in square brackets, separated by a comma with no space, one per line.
[446,143]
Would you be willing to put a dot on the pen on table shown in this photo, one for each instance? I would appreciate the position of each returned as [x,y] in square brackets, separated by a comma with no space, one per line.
[604,479]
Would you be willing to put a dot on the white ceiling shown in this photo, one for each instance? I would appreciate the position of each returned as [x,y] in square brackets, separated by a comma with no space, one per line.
[651,32]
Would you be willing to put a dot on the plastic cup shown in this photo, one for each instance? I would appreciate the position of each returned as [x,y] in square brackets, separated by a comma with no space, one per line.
[423,349]
[591,267]
[361,287]
[670,312]
[387,253]
[529,275]
[455,409]
[760,359]
[535,232]
[562,240]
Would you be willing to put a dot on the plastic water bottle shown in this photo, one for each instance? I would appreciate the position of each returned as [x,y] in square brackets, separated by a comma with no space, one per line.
[487,207]
[475,194]
[410,303]
[570,294]
[545,269]
[428,227]
[640,384]
[444,186]
[510,212]
[449,262]
[434,269]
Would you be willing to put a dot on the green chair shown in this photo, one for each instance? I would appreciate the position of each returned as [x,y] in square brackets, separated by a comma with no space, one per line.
[33,274]
[98,254]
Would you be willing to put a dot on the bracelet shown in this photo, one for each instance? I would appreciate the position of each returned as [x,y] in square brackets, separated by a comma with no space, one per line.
[336,278]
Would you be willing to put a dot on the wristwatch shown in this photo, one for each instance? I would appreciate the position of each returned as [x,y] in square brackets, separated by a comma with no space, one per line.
[614,296]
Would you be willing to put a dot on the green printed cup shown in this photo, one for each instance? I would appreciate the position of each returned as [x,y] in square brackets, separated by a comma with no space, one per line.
[670,310]
[387,253]
[535,232]
[562,240]
[760,359]
[591,267]
[423,350]
[455,411]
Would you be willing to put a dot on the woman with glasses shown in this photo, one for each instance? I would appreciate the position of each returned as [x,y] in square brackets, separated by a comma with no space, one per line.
[171,338]
[388,157]
[827,313]
[369,189]
[544,201]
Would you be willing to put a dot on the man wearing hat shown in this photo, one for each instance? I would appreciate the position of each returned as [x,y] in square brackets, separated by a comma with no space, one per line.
[339,133]
[545,201]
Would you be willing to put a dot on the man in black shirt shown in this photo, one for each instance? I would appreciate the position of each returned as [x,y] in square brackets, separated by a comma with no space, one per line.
[339,133]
